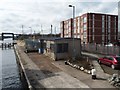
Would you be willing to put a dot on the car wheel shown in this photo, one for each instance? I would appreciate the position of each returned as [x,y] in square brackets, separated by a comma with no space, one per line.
[113,66]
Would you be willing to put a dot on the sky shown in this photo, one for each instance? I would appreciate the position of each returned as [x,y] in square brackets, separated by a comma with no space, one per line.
[37,16]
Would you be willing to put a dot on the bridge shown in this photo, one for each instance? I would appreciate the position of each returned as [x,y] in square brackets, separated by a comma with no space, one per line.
[7,35]
[3,37]
[13,35]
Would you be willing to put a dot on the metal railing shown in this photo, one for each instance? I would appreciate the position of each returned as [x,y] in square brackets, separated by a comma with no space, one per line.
[102,49]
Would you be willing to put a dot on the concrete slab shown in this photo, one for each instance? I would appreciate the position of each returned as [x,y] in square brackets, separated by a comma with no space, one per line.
[101,82]
[54,80]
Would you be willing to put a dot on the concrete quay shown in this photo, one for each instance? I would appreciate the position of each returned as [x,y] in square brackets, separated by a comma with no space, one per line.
[37,79]
[42,72]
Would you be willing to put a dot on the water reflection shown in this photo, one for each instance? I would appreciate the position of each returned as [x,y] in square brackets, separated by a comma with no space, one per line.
[10,74]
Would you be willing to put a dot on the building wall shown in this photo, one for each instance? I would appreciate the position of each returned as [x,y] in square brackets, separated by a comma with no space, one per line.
[62,29]
[66,28]
[66,55]
[119,19]
[77,47]
[95,28]
[48,51]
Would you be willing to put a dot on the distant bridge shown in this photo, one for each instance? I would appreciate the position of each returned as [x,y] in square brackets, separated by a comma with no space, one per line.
[3,37]
[13,35]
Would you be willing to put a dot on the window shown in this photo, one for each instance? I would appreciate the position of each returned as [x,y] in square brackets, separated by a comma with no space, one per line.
[69,35]
[103,17]
[93,38]
[85,27]
[109,23]
[74,30]
[62,48]
[74,35]
[78,36]
[109,38]
[84,19]
[78,30]
[78,25]
[93,16]
[103,23]
[81,20]
[103,37]
[85,35]
[67,31]
[117,58]
[78,22]
[69,22]
[110,58]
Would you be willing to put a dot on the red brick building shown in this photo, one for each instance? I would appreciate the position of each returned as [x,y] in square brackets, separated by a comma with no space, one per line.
[92,28]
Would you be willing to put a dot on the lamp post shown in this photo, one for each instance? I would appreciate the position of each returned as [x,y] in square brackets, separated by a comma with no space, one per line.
[73,57]
[31,31]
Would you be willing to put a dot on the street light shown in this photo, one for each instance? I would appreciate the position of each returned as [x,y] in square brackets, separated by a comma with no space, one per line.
[30,30]
[73,57]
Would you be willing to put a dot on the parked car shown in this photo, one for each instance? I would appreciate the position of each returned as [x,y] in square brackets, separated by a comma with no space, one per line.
[113,61]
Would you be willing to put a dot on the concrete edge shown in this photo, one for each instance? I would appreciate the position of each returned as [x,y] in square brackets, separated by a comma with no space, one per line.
[23,69]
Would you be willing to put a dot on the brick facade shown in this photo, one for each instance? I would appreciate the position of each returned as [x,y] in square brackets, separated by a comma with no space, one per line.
[92,28]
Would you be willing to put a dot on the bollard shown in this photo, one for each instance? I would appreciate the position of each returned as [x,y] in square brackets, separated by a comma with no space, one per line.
[2,45]
[5,45]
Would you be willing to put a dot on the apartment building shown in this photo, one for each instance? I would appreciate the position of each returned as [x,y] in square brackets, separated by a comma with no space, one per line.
[119,20]
[92,28]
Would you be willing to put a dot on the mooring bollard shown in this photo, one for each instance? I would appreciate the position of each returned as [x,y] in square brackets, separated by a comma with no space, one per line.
[5,46]
[2,45]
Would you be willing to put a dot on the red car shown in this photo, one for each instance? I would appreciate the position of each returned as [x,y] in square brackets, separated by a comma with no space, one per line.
[113,61]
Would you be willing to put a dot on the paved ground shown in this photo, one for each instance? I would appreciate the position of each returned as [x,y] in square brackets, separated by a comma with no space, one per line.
[44,72]
[47,75]
[107,69]
[49,66]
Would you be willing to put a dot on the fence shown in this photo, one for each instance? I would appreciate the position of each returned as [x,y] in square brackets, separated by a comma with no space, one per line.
[102,49]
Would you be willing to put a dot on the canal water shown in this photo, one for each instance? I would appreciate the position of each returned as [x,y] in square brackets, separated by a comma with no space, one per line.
[10,77]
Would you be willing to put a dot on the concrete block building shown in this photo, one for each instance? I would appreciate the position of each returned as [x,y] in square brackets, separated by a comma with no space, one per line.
[92,28]
[62,48]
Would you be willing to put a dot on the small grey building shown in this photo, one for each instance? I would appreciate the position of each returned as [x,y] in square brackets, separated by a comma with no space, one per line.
[62,48]
[34,45]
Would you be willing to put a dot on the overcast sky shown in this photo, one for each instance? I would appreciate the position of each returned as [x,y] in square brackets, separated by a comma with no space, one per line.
[37,13]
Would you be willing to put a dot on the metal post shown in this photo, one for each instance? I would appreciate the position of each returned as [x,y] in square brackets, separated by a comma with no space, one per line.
[55,31]
[22,29]
[31,31]
[41,32]
[51,30]
[73,57]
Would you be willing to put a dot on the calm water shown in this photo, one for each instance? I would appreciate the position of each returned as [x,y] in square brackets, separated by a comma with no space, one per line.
[9,69]
[0,69]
